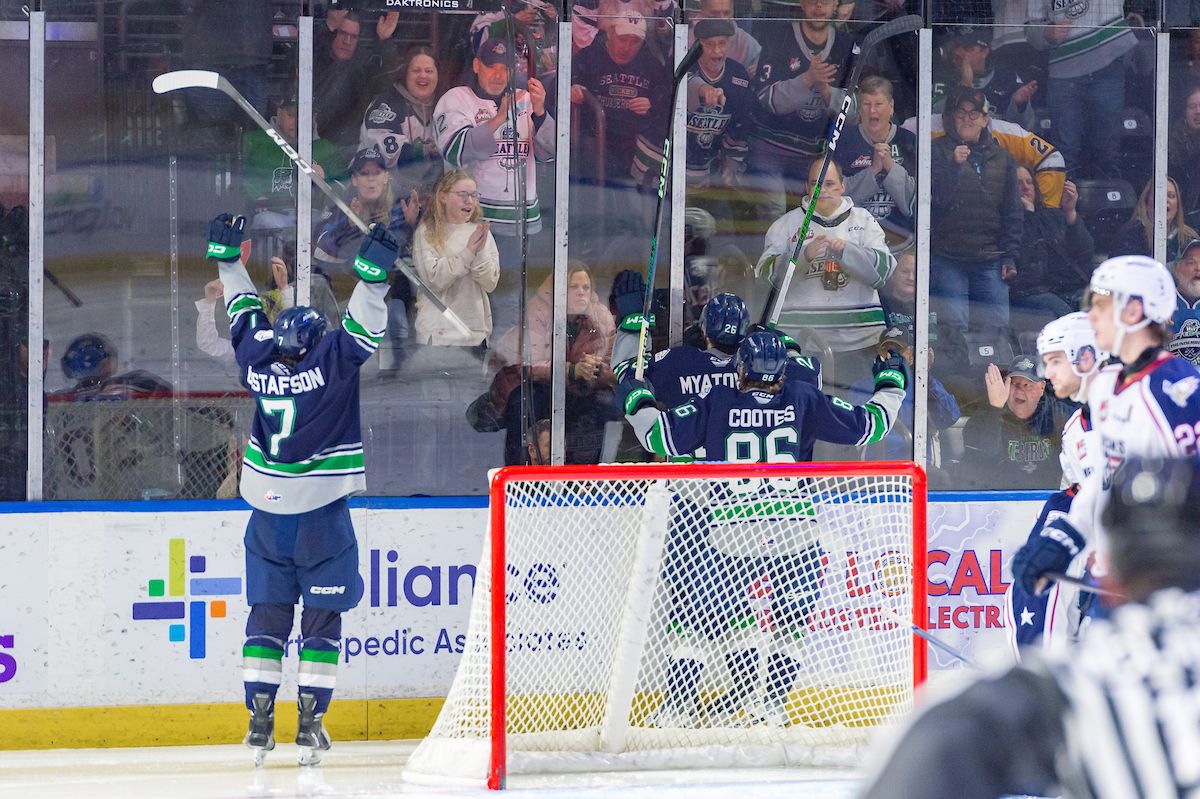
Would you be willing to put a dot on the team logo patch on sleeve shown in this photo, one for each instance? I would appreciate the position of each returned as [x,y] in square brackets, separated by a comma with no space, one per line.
[381,115]
[1181,390]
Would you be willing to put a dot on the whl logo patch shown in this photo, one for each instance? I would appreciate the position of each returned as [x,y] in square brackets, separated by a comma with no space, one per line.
[188,598]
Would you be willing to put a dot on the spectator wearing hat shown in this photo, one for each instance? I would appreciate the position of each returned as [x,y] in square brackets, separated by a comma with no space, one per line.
[1085,84]
[1014,441]
[742,47]
[875,156]
[631,87]
[1185,322]
[373,199]
[976,218]
[719,107]
[966,61]
[269,175]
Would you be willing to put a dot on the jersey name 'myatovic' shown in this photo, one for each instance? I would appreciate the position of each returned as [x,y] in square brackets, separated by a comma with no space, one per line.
[305,447]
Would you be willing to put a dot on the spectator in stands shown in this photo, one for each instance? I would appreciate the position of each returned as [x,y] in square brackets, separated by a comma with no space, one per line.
[800,65]
[942,407]
[1185,322]
[538,442]
[1136,237]
[399,123]
[269,174]
[473,132]
[592,17]
[344,79]
[741,47]
[838,276]
[535,38]
[975,220]
[719,106]
[875,156]
[1015,440]
[336,239]
[1183,154]
[966,62]
[1185,66]
[456,256]
[1055,260]
[1085,87]
[589,376]
[628,83]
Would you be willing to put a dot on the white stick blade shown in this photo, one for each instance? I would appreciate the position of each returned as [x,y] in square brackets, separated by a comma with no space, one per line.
[455,320]
[185,79]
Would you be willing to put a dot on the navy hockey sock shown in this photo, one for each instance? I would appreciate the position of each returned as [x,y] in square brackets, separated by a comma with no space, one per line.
[321,634]
[267,629]
[683,683]
[781,674]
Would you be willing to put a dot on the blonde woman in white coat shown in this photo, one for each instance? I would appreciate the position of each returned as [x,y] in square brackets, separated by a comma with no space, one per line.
[456,256]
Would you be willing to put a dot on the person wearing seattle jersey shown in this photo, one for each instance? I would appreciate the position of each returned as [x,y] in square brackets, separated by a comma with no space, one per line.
[719,106]
[875,157]
[768,418]
[305,456]
[799,68]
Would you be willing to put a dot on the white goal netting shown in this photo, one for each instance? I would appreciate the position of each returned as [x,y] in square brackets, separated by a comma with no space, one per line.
[686,615]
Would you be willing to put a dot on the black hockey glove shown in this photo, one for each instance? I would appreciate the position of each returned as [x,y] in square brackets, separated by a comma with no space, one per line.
[890,372]
[225,235]
[1051,551]
[376,255]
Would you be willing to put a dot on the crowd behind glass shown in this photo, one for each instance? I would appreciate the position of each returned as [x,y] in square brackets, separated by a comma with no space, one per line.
[1041,164]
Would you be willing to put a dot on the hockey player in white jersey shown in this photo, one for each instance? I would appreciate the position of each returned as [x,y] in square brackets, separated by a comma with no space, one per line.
[1114,718]
[1070,359]
[1146,404]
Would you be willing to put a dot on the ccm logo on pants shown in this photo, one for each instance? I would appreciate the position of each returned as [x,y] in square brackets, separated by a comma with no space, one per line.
[327,589]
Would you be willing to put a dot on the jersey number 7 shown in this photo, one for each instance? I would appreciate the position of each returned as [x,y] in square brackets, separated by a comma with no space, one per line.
[285,408]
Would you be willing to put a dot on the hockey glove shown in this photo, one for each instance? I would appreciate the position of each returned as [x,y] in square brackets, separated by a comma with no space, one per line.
[376,255]
[629,295]
[225,235]
[890,372]
[1052,550]
[637,395]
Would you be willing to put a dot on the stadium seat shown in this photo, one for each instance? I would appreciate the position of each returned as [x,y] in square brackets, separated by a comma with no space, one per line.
[1105,205]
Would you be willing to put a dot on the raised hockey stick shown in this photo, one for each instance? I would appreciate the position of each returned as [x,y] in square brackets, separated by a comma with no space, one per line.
[932,639]
[858,58]
[681,71]
[205,79]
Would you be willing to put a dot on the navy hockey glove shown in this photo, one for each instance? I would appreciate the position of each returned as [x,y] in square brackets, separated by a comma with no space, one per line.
[1052,550]
[376,255]
[225,236]
[629,296]
[890,372]
[637,395]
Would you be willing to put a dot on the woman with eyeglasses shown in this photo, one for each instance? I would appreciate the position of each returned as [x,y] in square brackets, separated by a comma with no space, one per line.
[456,256]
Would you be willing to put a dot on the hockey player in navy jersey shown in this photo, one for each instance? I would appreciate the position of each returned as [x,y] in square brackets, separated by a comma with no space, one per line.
[304,457]
[678,373]
[1146,404]
[769,418]
[1070,358]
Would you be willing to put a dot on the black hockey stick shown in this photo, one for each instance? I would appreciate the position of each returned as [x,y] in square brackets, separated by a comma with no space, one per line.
[681,71]
[204,79]
[932,639]
[858,59]
[71,296]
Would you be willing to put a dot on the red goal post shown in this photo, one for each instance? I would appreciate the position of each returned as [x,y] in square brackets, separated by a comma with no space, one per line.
[601,546]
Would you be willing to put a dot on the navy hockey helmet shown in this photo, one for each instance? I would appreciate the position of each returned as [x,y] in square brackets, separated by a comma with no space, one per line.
[1150,519]
[85,355]
[762,356]
[298,329]
[725,319]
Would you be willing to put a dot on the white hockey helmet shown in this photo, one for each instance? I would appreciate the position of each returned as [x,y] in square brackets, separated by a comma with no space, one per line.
[1128,277]
[1073,335]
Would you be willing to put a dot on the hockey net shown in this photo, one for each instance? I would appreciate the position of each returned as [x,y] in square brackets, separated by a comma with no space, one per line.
[686,615]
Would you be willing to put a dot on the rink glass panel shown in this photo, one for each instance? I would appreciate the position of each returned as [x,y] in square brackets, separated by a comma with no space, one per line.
[14,254]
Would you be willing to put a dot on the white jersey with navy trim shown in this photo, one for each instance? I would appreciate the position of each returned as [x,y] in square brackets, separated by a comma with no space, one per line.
[1154,411]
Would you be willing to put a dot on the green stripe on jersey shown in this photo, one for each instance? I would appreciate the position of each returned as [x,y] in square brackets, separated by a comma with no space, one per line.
[355,329]
[880,423]
[348,461]
[264,652]
[244,303]
[319,655]
[765,508]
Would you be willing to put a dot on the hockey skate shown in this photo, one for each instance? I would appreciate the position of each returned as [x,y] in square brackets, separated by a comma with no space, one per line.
[310,732]
[261,735]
